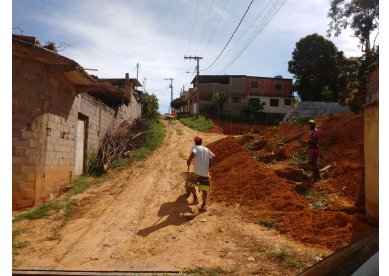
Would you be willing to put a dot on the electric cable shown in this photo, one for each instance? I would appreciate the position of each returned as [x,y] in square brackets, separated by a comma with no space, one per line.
[260,28]
[231,36]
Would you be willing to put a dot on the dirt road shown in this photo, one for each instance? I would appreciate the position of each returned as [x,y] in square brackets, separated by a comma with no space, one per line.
[139,220]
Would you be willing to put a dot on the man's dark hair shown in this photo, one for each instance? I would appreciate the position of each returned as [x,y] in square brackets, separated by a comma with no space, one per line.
[198,143]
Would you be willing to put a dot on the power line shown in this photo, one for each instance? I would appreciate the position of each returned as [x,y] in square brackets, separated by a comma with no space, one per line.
[191,77]
[240,39]
[269,15]
[216,26]
[205,25]
[164,68]
[230,37]
[193,27]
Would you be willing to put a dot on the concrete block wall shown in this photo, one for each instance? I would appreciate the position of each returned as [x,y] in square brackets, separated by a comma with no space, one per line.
[59,140]
[311,108]
[28,94]
[102,118]
[45,111]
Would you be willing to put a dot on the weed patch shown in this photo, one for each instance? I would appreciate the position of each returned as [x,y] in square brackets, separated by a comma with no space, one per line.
[17,246]
[317,200]
[62,206]
[209,271]
[283,256]
[268,223]
[255,145]
[197,122]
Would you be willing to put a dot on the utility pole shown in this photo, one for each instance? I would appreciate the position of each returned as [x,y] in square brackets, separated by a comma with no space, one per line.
[144,86]
[137,68]
[171,93]
[197,77]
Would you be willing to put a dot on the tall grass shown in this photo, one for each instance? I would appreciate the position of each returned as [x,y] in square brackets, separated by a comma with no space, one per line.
[197,122]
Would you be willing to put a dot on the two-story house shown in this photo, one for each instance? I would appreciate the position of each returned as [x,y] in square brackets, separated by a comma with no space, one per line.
[242,90]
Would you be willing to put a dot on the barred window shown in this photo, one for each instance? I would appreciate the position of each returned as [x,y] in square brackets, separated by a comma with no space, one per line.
[274,102]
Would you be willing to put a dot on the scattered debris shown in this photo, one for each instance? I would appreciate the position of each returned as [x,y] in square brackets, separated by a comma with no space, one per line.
[121,142]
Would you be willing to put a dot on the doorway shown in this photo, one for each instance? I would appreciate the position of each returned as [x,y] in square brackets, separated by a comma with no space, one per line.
[81,144]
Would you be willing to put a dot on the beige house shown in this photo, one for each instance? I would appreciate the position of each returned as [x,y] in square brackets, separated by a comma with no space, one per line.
[59,115]
[240,90]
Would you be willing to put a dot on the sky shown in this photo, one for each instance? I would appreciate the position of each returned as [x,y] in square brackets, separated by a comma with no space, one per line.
[114,36]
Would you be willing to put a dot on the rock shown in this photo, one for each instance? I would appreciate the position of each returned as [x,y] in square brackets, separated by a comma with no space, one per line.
[251,259]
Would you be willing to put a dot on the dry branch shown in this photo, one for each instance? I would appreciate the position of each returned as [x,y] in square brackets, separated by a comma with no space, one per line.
[120,142]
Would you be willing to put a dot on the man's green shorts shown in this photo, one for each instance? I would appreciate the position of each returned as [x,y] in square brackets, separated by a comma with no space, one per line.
[201,181]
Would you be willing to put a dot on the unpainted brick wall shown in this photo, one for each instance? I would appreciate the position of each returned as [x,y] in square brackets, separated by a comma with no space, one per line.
[45,111]
[28,84]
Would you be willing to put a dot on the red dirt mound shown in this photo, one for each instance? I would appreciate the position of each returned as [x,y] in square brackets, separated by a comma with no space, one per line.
[239,178]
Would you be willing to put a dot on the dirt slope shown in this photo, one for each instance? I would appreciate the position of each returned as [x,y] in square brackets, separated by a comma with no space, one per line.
[329,212]
[140,221]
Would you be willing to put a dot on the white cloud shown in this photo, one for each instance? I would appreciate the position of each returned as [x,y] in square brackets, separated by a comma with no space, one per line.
[112,36]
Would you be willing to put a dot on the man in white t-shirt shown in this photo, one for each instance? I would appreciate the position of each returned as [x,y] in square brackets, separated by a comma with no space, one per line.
[199,177]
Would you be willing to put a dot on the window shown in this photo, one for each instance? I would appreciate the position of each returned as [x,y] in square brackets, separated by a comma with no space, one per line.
[254,102]
[254,84]
[288,102]
[274,102]
[278,86]
[235,99]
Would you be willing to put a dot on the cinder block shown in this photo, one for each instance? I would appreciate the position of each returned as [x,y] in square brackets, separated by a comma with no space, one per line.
[19,151]
[21,202]
[26,168]
[16,168]
[52,140]
[57,148]
[30,176]
[53,125]
[22,185]
[28,134]
[55,133]
[17,160]
[20,177]
[33,160]
[32,143]
[31,151]
[19,143]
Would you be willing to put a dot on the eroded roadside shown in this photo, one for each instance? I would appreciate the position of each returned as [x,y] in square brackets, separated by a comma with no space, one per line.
[139,220]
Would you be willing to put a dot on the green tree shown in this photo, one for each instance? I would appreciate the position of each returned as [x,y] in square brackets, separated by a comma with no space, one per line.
[315,67]
[218,100]
[350,82]
[177,103]
[150,105]
[360,15]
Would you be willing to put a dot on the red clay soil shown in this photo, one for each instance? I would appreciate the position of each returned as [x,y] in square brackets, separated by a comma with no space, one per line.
[237,178]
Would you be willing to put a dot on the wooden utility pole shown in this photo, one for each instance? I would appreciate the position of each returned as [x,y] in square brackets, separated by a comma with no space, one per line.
[197,77]
[171,93]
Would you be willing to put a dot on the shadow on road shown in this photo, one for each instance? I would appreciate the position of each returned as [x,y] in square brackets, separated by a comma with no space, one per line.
[176,212]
